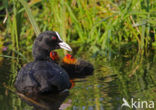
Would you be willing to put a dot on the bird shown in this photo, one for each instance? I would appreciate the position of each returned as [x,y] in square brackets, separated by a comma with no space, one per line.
[43,75]
[55,57]
[76,68]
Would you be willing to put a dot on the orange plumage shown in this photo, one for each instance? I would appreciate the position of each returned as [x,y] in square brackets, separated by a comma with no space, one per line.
[54,56]
[69,59]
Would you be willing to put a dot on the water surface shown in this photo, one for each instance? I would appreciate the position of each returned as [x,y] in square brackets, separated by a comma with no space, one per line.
[123,76]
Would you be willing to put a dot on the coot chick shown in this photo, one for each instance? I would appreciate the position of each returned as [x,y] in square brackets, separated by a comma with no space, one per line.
[76,68]
[54,56]
[43,75]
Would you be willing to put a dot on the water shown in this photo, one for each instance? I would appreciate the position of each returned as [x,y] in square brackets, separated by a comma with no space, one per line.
[124,76]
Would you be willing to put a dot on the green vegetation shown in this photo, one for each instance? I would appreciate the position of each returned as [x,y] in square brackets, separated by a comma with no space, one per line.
[119,34]
[101,26]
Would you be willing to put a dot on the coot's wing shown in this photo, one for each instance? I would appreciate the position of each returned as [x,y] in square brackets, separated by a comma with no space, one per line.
[51,77]
[25,83]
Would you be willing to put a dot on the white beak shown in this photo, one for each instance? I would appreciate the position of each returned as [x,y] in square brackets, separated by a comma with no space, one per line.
[65,46]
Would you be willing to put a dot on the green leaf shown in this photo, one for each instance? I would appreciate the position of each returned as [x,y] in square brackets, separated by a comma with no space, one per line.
[30,16]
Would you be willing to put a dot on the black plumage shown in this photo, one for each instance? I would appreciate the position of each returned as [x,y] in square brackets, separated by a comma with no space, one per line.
[43,75]
[80,69]
[76,68]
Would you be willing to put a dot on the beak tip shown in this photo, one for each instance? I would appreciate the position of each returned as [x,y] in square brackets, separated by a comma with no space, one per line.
[70,50]
[65,46]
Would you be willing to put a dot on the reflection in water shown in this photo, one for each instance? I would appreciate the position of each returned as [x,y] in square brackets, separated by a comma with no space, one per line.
[128,76]
[47,102]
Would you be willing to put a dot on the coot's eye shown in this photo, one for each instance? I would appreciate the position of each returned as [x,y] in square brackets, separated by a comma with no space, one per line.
[53,37]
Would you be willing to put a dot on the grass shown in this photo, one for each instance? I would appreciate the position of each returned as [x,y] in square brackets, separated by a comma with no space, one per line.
[102,27]
[98,28]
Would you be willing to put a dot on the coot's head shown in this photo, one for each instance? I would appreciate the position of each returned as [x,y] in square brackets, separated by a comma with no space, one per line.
[54,56]
[69,59]
[46,42]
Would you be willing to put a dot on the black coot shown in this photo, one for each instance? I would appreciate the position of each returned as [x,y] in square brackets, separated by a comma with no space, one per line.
[43,75]
[76,68]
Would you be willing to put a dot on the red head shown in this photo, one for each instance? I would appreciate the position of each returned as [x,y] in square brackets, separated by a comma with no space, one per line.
[54,56]
[69,59]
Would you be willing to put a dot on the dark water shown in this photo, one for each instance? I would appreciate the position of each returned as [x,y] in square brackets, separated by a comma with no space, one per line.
[125,76]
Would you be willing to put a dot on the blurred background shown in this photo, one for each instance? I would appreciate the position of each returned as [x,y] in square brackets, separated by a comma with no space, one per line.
[116,36]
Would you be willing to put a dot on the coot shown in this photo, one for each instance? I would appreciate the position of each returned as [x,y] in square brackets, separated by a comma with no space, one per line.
[76,68]
[43,75]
